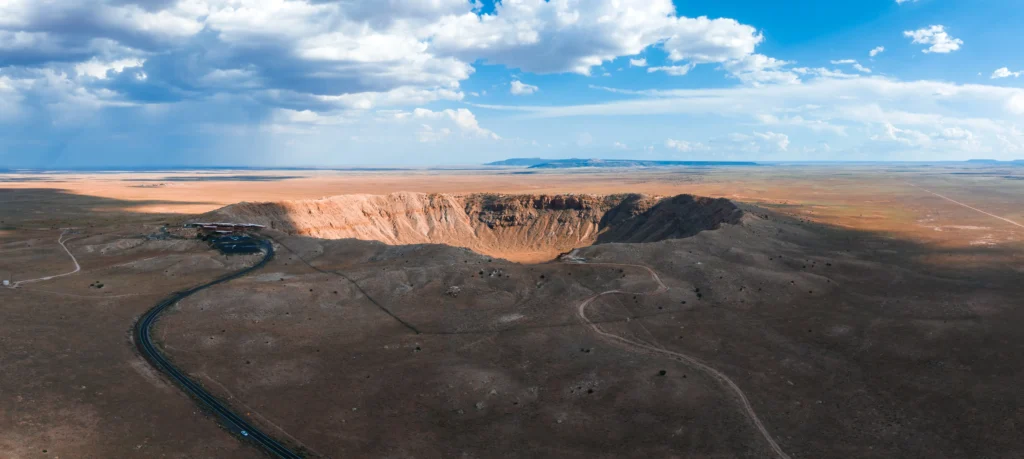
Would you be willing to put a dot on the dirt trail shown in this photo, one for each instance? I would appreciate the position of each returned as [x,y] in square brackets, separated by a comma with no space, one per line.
[1007,220]
[60,240]
[692,361]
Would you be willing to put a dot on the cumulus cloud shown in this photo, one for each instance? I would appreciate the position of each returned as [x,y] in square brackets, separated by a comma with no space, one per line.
[757,69]
[852,62]
[518,88]
[956,133]
[556,36]
[838,97]
[822,72]
[620,146]
[842,107]
[936,36]
[303,66]
[781,141]
[99,69]
[684,146]
[462,118]
[1015,104]
[327,55]
[428,134]
[1005,73]
[289,53]
[754,143]
[908,137]
[876,51]
[816,125]
[674,70]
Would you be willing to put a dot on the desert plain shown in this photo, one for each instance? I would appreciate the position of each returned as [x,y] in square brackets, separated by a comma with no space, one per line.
[803,310]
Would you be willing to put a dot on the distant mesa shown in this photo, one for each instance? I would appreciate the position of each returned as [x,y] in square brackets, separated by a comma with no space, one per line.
[524,228]
[540,163]
[520,162]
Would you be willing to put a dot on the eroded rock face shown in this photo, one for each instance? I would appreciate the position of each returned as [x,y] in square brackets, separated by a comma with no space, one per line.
[525,228]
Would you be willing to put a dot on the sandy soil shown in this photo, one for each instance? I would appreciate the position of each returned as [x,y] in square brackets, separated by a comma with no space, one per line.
[861,315]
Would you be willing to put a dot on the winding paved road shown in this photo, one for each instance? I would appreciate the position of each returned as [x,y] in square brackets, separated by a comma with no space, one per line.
[692,361]
[235,423]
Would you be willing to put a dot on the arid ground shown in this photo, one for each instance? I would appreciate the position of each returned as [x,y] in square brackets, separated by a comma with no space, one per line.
[826,311]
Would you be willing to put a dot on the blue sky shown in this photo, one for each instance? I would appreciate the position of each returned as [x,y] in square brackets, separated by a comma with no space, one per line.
[137,83]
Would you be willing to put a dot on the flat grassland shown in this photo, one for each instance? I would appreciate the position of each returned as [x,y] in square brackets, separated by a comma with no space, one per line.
[862,310]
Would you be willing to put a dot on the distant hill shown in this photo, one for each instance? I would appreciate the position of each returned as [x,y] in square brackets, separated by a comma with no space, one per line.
[541,163]
[519,162]
[571,163]
[983,160]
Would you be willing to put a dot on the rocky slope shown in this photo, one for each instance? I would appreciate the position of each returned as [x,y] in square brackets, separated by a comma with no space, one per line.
[526,228]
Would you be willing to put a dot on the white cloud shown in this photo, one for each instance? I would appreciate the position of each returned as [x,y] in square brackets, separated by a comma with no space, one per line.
[519,88]
[400,96]
[908,137]
[956,133]
[10,99]
[98,69]
[326,56]
[317,65]
[1005,73]
[900,2]
[674,70]
[757,69]
[391,126]
[1015,104]
[570,36]
[779,140]
[291,53]
[754,143]
[816,125]
[838,98]
[428,134]
[462,118]
[856,65]
[876,51]
[936,36]
[822,72]
[684,146]
[860,108]
[620,146]
[309,117]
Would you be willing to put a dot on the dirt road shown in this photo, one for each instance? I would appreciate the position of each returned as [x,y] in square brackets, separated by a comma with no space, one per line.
[691,361]
[1007,220]
[60,240]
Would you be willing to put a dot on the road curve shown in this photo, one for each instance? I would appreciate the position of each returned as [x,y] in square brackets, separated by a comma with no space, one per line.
[692,361]
[235,423]
[61,241]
